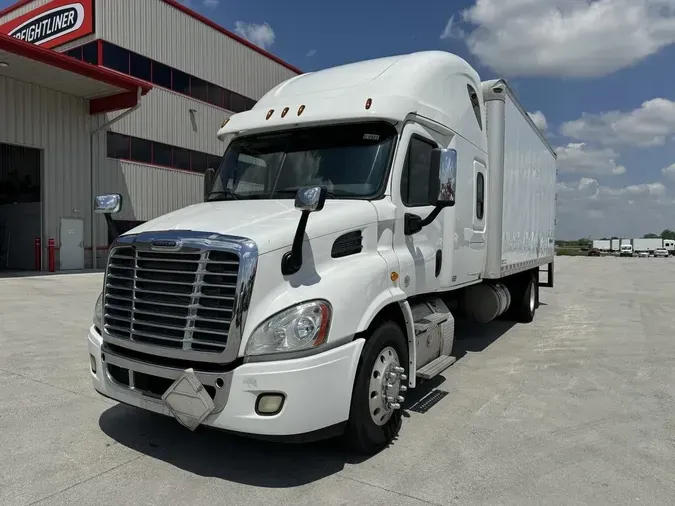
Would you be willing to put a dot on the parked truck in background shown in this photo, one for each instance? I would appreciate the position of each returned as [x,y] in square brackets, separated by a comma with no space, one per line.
[357,212]
[648,245]
[615,244]
[602,244]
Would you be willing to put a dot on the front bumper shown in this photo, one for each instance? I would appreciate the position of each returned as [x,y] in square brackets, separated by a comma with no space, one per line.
[317,389]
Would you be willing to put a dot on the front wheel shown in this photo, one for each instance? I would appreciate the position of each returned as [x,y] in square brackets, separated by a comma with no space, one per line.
[375,414]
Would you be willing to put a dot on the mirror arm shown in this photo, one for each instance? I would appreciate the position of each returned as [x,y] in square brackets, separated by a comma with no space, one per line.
[292,260]
[112,226]
[413,223]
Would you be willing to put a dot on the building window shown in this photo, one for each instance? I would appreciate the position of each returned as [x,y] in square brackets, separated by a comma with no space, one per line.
[415,177]
[115,58]
[118,146]
[140,67]
[480,196]
[87,53]
[135,149]
[141,150]
[128,62]
[161,75]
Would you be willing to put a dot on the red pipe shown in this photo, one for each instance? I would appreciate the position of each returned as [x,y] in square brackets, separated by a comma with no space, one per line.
[51,253]
[38,254]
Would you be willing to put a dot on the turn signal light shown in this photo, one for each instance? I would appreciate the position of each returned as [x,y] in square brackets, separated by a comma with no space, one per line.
[369,102]
[269,113]
[284,112]
[301,109]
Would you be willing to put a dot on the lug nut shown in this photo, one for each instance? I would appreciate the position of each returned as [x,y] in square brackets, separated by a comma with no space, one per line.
[399,369]
[389,399]
[403,377]
[400,398]
[403,388]
[394,405]
[388,385]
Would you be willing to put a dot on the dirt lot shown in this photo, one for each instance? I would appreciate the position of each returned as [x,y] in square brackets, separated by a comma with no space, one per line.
[575,408]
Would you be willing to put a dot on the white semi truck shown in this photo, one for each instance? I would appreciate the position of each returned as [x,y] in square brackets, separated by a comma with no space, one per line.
[602,244]
[357,211]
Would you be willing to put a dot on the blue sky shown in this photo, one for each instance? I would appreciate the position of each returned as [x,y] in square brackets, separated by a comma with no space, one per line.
[600,72]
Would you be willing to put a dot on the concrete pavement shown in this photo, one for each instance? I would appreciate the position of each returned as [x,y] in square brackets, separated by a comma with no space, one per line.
[575,408]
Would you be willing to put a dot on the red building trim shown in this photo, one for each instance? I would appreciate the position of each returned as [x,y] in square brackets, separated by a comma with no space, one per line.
[198,17]
[101,74]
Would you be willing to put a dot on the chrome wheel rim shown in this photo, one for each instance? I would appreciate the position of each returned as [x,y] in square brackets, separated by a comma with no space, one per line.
[385,386]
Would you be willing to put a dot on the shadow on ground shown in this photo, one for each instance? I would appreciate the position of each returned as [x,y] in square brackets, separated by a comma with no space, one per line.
[476,337]
[211,453]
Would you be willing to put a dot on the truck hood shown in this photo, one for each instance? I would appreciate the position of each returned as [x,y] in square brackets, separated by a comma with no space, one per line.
[270,223]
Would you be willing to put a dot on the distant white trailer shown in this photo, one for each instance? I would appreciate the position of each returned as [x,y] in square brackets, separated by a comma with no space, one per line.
[669,244]
[615,245]
[602,244]
[648,245]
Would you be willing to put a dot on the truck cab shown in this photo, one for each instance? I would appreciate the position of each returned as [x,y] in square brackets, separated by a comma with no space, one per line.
[626,250]
[352,217]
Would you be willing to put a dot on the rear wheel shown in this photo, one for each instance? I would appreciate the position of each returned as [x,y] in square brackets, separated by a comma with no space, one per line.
[375,414]
[528,301]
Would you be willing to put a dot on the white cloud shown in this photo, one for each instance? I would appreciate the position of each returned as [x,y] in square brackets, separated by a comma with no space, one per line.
[539,120]
[649,125]
[669,172]
[586,208]
[578,157]
[580,38]
[452,30]
[262,35]
[311,52]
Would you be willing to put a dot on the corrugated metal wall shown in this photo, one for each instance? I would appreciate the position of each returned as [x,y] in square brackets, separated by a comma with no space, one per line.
[162,32]
[58,124]
[165,116]
[23,10]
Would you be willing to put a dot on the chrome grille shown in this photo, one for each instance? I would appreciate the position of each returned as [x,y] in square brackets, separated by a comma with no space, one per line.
[182,300]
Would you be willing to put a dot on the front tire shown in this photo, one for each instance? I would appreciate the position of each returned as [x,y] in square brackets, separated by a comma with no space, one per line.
[374,420]
[528,303]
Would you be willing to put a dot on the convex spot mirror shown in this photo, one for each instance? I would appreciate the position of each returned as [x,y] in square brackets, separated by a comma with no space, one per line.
[311,199]
[108,204]
[443,177]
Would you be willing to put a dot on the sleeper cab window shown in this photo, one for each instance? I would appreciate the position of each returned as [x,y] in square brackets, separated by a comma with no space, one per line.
[415,176]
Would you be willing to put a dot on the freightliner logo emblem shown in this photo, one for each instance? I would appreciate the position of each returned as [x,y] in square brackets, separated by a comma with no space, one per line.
[165,244]
[51,24]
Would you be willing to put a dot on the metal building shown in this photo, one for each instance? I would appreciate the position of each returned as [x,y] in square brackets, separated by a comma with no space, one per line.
[111,96]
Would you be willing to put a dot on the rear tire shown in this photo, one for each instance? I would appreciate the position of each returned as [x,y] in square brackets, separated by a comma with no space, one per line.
[371,426]
[527,303]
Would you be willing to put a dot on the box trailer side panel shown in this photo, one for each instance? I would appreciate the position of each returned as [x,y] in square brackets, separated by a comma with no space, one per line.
[527,237]
[602,244]
[615,244]
[647,244]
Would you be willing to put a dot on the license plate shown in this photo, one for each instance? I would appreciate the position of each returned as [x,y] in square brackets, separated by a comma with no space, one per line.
[188,400]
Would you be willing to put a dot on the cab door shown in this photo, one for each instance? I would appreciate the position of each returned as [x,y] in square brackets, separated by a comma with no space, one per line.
[420,254]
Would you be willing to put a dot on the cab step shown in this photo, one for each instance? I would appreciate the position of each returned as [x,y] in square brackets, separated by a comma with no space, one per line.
[435,367]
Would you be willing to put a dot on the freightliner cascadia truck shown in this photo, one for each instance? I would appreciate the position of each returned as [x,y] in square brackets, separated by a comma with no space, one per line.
[356,212]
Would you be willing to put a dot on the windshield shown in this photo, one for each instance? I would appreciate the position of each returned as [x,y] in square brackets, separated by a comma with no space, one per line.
[352,161]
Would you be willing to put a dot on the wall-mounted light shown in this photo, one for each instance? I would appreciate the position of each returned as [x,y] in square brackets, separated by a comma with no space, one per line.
[4,64]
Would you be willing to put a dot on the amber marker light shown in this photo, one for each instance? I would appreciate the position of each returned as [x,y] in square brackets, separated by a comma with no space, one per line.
[369,102]
[394,276]
[301,109]
[284,112]
[269,113]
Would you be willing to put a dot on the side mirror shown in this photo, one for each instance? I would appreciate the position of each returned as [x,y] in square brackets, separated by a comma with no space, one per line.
[108,204]
[443,177]
[307,200]
[209,176]
[311,199]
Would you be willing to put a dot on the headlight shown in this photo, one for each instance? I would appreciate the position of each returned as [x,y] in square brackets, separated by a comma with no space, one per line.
[297,328]
[98,311]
